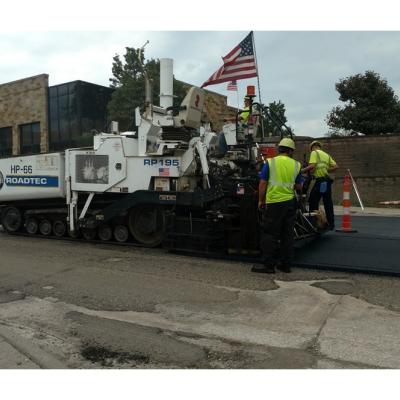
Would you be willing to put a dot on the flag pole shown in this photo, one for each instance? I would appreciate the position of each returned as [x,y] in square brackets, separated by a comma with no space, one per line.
[258,82]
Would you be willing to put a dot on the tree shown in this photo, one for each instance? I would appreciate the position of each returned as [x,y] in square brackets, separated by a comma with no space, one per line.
[129,84]
[371,108]
[270,127]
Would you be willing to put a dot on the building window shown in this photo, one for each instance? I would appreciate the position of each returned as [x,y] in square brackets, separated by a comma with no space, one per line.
[30,138]
[76,109]
[5,141]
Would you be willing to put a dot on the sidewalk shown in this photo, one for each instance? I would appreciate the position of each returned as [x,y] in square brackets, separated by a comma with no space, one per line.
[370,211]
[11,358]
[17,352]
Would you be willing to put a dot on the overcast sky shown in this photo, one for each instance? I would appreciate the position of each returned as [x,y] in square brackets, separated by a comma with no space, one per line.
[298,68]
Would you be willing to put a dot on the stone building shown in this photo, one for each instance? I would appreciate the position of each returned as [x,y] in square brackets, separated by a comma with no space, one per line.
[36,118]
[24,116]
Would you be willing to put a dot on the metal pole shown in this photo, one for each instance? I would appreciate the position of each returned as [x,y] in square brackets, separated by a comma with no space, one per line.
[356,190]
[258,81]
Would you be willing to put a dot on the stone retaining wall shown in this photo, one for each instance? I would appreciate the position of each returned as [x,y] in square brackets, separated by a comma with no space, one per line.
[373,161]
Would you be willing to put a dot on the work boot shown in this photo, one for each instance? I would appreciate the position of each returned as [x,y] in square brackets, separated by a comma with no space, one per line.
[284,266]
[265,269]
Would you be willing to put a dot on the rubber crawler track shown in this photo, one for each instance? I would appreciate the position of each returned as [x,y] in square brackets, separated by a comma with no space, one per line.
[80,240]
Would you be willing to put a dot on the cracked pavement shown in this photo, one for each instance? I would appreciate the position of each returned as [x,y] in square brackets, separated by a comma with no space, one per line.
[104,306]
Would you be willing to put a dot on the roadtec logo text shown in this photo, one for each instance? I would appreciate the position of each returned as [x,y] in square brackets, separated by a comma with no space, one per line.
[37,181]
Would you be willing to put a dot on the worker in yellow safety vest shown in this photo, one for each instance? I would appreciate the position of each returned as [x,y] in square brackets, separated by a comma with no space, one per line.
[320,165]
[244,115]
[279,179]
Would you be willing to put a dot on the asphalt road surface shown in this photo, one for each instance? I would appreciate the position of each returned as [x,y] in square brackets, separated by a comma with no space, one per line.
[375,247]
[105,306]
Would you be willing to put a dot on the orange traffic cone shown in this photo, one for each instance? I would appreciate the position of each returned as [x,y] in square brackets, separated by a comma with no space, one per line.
[346,219]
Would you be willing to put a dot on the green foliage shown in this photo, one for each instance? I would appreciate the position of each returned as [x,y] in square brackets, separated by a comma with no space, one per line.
[129,84]
[270,127]
[371,108]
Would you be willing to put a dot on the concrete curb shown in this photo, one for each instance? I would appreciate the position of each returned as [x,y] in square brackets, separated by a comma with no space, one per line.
[369,211]
[40,357]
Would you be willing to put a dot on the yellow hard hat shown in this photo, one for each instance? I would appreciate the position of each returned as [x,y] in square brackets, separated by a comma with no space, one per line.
[315,142]
[287,142]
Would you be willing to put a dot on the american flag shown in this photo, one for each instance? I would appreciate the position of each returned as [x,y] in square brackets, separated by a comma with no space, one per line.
[232,86]
[239,63]
[163,171]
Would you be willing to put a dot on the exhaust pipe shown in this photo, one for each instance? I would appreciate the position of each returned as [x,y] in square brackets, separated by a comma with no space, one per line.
[166,82]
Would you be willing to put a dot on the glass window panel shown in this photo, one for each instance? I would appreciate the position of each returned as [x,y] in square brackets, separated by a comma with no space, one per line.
[72,105]
[54,137]
[30,138]
[53,91]
[54,134]
[5,141]
[72,87]
[53,108]
[87,126]
[36,134]
[78,108]
[62,90]
[74,128]
[35,128]
[5,136]
[64,129]
[26,136]
[63,109]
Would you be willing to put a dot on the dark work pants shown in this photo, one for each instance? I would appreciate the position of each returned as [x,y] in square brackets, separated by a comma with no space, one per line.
[315,197]
[278,232]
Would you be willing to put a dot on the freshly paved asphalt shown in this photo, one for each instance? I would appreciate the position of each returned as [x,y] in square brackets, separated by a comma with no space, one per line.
[375,247]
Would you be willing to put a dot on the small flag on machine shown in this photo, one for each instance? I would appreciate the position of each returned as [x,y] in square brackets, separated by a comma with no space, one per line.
[163,172]
[232,86]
